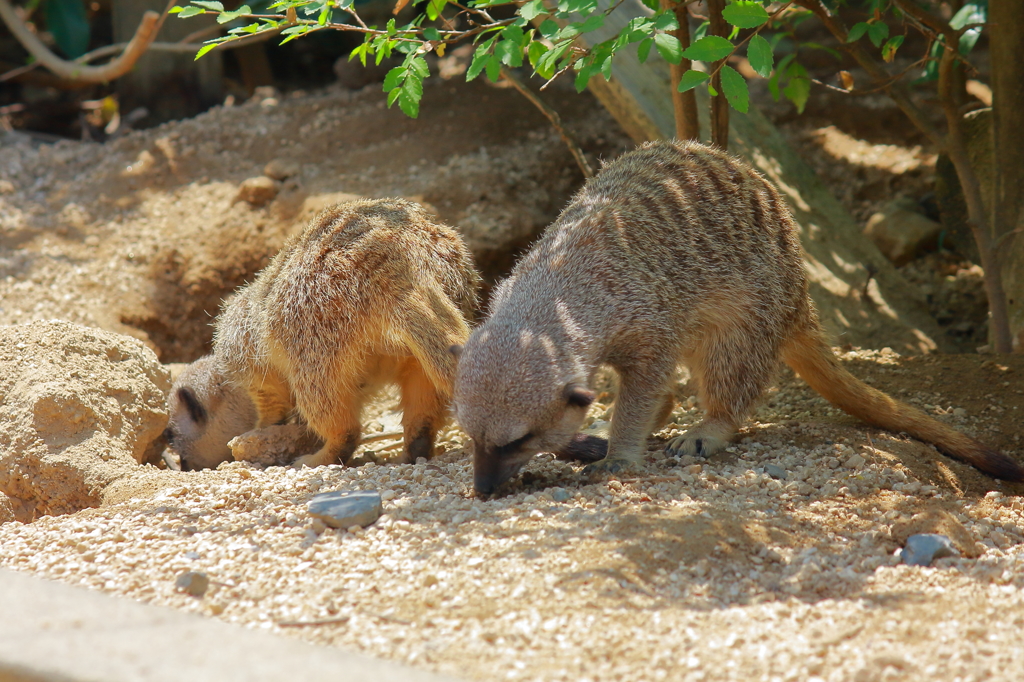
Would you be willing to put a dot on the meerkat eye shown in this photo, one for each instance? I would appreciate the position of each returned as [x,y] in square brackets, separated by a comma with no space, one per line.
[578,396]
[192,404]
[513,446]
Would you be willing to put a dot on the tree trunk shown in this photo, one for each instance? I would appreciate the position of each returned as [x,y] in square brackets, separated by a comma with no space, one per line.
[1006,42]
[684,104]
[719,105]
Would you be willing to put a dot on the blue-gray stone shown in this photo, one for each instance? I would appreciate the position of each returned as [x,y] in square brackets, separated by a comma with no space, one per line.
[775,471]
[346,508]
[561,495]
[924,548]
[193,583]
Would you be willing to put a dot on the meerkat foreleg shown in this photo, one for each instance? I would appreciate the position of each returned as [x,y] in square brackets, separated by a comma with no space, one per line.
[639,408]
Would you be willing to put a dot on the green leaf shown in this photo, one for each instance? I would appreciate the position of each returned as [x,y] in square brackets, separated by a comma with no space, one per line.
[190,12]
[712,91]
[509,53]
[780,68]
[669,47]
[532,10]
[971,13]
[745,14]
[431,34]
[709,49]
[493,68]
[548,28]
[434,9]
[393,95]
[325,14]
[175,10]
[856,32]
[394,78]
[583,77]
[666,22]
[209,4]
[799,86]
[692,79]
[759,52]
[877,32]
[593,22]
[546,64]
[644,50]
[204,49]
[536,50]
[890,47]
[418,67]
[67,22]
[735,88]
[701,31]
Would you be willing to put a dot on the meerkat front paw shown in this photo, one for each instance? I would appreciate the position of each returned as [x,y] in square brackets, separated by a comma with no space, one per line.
[694,444]
[314,460]
[608,465]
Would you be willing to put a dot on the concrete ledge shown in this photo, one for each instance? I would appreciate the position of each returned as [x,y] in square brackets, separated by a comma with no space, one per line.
[51,632]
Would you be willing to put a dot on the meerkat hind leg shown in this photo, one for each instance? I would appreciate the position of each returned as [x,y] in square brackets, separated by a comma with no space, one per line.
[728,385]
[423,411]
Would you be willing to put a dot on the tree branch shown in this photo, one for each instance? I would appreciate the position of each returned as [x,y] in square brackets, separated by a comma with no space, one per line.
[140,42]
[874,69]
[555,119]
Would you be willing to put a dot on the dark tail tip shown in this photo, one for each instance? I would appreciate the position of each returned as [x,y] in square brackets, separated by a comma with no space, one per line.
[584,449]
[995,463]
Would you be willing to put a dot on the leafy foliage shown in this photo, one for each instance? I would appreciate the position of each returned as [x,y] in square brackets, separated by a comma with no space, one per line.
[543,34]
[68,24]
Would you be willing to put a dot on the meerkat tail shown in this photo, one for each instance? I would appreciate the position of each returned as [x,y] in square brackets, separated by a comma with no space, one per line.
[811,358]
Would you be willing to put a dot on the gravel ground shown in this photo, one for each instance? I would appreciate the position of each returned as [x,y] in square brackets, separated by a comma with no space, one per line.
[680,570]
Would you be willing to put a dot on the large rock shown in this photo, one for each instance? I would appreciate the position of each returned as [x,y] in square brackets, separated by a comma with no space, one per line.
[79,408]
[901,232]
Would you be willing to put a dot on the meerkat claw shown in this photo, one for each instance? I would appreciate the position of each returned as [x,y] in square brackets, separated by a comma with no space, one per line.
[607,466]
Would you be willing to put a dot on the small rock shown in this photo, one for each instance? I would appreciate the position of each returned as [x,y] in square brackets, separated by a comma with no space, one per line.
[901,232]
[318,526]
[193,583]
[960,413]
[280,169]
[924,548]
[560,495]
[854,462]
[346,508]
[258,191]
[776,471]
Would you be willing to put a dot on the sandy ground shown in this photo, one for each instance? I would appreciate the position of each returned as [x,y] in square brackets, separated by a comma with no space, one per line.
[679,570]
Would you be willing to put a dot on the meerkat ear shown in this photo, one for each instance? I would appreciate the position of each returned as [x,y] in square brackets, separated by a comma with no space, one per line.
[579,396]
[192,404]
[456,350]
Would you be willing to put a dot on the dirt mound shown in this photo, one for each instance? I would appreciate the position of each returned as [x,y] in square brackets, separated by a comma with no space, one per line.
[79,407]
[145,235]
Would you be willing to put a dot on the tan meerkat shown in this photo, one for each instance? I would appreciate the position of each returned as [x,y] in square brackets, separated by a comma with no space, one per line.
[675,252]
[370,293]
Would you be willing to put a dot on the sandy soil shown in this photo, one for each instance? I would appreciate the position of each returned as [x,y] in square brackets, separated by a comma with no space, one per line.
[679,570]
[691,570]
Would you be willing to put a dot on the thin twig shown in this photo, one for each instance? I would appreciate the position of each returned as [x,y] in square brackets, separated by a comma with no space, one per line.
[556,121]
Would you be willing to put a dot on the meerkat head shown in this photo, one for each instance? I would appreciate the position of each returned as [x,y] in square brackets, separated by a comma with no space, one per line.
[515,396]
[206,411]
